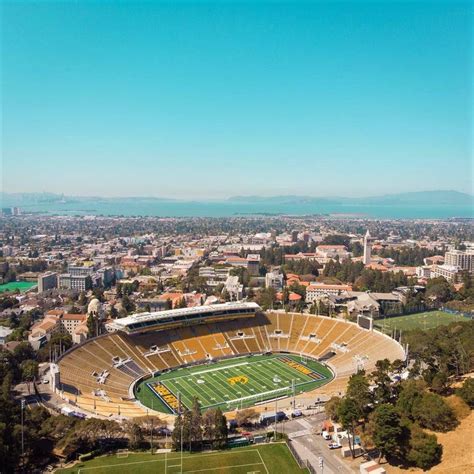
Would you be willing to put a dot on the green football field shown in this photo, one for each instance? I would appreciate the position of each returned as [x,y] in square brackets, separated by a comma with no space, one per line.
[233,383]
[426,320]
[261,459]
[17,285]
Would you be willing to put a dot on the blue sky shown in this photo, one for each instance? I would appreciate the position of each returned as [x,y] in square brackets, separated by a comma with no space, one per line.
[217,99]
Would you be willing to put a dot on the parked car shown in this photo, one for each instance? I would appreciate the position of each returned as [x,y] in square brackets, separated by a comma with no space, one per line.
[326,435]
[334,445]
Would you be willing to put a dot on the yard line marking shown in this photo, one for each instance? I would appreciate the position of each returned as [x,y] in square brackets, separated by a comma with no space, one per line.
[263,462]
[226,467]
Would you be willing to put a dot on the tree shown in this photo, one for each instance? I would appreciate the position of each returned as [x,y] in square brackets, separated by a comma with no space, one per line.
[331,408]
[208,424]
[186,432]
[91,326]
[266,298]
[177,432]
[135,434]
[225,294]
[221,430]
[386,429]
[181,303]
[215,427]
[432,412]
[246,416]
[127,304]
[358,390]
[424,450]
[23,352]
[349,416]
[411,391]
[439,289]
[466,392]
[383,384]
[195,428]
[29,371]
[439,382]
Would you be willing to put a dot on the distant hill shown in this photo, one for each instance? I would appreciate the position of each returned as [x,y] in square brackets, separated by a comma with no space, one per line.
[412,198]
[18,199]
[420,198]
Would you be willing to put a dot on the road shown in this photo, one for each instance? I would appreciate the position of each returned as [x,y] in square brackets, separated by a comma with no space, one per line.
[303,433]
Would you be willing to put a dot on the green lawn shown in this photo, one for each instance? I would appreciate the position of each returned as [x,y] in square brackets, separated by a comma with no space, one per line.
[426,320]
[262,459]
[234,383]
[17,285]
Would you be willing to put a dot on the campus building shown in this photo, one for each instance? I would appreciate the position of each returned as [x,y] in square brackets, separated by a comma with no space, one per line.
[47,281]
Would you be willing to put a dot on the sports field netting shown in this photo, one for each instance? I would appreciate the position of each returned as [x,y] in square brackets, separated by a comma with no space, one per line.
[233,384]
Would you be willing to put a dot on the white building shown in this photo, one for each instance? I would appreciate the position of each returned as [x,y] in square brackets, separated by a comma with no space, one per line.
[80,283]
[274,280]
[317,290]
[4,333]
[234,288]
[214,275]
[459,258]
[423,272]
[327,252]
[450,272]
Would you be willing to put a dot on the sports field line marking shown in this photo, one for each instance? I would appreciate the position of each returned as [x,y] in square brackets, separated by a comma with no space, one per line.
[191,373]
[225,467]
[263,462]
[106,466]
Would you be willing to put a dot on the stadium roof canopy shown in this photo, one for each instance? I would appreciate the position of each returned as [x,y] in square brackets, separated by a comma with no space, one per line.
[142,320]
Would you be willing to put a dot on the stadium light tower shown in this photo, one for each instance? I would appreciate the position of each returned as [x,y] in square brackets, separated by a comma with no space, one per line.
[22,432]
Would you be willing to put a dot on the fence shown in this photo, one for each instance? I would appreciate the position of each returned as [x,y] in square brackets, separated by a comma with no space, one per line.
[461,313]
[303,464]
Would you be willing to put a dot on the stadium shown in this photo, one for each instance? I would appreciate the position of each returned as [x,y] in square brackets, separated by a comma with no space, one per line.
[229,355]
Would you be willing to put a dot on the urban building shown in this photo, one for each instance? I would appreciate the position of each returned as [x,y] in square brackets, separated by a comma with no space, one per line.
[79,283]
[459,258]
[58,321]
[47,281]
[317,290]
[274,280]
[234,288]
[451,273]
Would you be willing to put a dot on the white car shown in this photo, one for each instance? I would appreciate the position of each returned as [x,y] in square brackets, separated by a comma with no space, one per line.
[326,435]
[45,380]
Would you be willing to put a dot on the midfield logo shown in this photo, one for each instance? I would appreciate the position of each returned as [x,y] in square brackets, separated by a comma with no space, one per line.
[239,379]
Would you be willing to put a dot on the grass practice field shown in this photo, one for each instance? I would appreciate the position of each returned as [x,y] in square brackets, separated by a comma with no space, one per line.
[234,383]
[426,320]
[257,459]
[17,285]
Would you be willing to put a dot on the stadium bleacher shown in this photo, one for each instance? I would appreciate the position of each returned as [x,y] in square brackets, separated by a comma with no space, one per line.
[125,358]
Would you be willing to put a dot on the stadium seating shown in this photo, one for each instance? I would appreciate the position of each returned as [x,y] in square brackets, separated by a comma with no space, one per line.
[98,374]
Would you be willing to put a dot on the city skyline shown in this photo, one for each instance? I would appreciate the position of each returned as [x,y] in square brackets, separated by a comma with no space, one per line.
[210,101]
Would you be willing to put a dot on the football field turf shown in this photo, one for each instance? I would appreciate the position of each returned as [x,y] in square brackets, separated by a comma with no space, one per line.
[256,459]
[233,383]
[426,320]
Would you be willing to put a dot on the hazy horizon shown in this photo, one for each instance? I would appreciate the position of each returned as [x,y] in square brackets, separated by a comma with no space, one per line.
[207,101]
[233,196]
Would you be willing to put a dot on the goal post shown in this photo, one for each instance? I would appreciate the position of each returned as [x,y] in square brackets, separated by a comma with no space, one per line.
[122,453]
